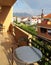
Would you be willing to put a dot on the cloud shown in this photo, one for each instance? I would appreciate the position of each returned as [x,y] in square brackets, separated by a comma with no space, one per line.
[38,3]
[33,7]
[22,6]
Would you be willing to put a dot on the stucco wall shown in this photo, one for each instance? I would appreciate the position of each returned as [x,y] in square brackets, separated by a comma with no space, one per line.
[6,17]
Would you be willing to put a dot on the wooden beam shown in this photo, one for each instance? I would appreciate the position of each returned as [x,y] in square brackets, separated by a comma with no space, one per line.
[7,2]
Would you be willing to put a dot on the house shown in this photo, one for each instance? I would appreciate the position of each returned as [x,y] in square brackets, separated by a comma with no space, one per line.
[44,28]
[36,19]
[30,20]
[14,18]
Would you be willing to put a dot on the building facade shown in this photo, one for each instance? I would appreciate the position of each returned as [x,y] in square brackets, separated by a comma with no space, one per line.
[44,28]
[6,13]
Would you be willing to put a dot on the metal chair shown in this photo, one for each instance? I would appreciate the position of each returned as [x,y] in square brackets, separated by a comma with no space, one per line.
[23,41]
[1,28]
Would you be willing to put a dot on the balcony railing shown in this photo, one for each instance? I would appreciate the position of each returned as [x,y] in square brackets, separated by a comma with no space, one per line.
[44,45]
[18,33]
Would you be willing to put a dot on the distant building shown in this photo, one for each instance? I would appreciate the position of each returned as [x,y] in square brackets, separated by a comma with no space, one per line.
[44,28]
[18,19]
[14,18]
[31,20]
[39,20]
[28,20]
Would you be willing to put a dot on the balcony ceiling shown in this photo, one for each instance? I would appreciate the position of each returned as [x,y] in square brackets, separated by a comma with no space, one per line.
[7,2]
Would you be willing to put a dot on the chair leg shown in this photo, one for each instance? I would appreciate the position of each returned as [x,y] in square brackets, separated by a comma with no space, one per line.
[32,64]
[12,55]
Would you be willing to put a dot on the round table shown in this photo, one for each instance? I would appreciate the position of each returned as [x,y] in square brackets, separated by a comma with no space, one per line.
[28,54]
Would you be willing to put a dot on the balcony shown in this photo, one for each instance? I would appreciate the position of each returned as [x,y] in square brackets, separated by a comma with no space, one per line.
[7,40]
[43,29]
[44,25]
[10,38]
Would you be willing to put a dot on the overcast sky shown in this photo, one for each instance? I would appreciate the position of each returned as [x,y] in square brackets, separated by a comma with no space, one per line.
[33,7]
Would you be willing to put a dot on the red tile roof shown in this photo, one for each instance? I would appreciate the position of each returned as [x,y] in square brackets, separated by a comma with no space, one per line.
[48,16]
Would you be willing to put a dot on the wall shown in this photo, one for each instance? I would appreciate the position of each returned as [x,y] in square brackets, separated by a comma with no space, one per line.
[6,17]
[44,35]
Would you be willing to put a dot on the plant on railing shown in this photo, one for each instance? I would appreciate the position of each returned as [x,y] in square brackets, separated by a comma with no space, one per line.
[27,28]
[46,50]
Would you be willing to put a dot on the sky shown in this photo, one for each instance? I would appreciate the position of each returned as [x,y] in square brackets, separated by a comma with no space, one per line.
[33,7]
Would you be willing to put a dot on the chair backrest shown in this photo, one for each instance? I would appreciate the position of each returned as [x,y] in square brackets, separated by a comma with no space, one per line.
[1,27]
[23,41]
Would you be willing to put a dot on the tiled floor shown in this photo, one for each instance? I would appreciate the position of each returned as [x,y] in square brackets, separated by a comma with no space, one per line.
[6,42]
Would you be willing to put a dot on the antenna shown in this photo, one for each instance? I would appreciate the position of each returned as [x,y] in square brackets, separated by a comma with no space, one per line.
[42,15]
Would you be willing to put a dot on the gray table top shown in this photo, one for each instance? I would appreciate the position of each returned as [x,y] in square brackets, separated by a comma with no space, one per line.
[28,54]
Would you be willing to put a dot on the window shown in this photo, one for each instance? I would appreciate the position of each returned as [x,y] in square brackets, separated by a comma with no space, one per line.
[49,31]
[43,30]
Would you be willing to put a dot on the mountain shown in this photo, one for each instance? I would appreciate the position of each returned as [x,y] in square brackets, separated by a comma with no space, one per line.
[22,14]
